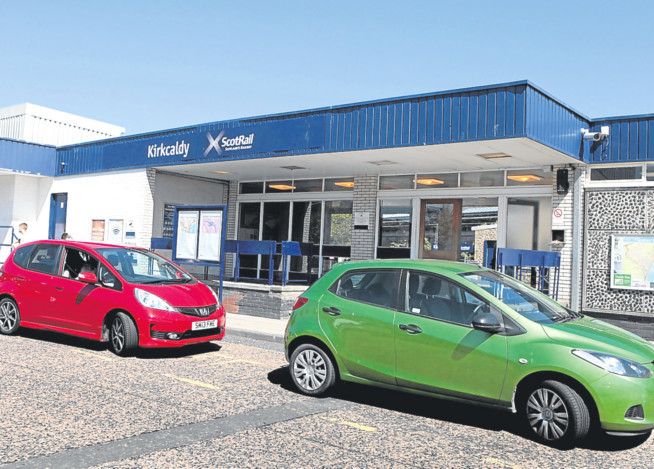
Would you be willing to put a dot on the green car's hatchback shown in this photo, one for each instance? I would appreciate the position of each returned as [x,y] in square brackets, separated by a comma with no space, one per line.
[462,332]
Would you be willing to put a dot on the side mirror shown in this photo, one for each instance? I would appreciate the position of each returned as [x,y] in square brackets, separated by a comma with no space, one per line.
[88,277]
[486,322]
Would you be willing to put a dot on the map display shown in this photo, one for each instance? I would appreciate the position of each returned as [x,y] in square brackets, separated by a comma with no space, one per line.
[632,262]
[211,226]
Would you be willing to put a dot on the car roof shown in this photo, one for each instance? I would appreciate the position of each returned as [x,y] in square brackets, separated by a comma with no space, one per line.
[422,264]
[80,244]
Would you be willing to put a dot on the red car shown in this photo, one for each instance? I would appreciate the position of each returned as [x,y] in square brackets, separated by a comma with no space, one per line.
[128,296]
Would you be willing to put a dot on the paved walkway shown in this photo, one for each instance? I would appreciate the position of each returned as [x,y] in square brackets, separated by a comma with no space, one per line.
[256,328]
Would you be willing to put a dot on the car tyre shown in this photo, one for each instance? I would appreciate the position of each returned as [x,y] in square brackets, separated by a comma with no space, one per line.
[123,336]
[312,370]
[555,414]
[9,316]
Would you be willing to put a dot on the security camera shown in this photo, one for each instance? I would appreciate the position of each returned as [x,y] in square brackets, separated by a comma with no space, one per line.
[595,136]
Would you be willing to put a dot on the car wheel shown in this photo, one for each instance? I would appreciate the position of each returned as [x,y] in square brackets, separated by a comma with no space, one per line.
[123,336]
[556,414]
[312,370]
[9,316]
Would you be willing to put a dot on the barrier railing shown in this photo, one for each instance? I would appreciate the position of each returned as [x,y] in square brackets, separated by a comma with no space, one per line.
[12,239]
[541,269]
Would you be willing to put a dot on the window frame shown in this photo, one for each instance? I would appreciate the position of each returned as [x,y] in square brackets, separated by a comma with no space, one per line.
[57,259]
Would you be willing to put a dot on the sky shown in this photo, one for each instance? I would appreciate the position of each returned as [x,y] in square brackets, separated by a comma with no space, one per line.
[153,65]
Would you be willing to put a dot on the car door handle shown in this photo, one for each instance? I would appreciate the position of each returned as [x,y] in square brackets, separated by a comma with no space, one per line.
[59,288]
[332,311]
[19,277]
[410,328]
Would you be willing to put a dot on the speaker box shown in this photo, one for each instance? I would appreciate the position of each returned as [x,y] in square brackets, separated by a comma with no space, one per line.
[562,184]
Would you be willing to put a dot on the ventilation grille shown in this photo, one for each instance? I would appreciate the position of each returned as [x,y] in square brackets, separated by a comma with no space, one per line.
[635,413]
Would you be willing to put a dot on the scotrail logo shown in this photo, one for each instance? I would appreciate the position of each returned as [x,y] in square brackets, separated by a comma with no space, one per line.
[222,143]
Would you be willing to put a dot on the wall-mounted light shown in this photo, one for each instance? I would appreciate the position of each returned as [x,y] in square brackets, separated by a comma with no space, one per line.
[348,184]
[63,166]
[524,177]
[429,181]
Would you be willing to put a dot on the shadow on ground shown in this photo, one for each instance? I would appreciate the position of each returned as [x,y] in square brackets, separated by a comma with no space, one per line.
[94,345]
[449,411]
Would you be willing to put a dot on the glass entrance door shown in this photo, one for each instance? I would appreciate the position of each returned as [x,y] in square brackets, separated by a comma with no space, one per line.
[440,226]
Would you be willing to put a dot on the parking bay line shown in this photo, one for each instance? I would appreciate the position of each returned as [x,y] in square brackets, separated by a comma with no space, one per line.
[184,435]
[358,426]
[191,381]
[90,354]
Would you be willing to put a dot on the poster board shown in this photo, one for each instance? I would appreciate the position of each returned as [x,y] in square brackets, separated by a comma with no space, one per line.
[97,230]
[115,233]
[199,235]
[209,239]
[632,262]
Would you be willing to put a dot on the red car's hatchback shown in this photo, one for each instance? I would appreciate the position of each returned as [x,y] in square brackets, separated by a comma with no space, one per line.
[127,296]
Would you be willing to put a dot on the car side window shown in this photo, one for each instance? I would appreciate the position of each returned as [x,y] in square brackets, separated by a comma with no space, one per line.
[76,262]
[44,258]
[370,286]
[440,298]
[22,255]
[107,278]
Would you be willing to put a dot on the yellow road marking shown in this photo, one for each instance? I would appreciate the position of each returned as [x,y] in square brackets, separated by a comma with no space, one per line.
[101,357]
[503,463]
[235,360]
[192,381]
[358,426]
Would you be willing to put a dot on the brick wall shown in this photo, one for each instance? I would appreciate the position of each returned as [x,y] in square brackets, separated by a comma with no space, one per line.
[266,301]
[566,203]
[229,199]
[365,200]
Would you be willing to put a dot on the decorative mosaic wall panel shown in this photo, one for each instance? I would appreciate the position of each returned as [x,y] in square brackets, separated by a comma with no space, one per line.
[609,212]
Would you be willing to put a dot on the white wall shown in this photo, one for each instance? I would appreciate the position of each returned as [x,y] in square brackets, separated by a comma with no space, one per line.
[178,190]
[123,195]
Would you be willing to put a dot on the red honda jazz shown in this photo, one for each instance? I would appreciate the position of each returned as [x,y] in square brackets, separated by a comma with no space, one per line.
[129,297]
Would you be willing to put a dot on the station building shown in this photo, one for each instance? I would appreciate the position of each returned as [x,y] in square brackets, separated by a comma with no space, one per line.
[437,175]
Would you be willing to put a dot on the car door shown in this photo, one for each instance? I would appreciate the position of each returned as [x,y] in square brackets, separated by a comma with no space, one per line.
[357,315]
[37,292]
[436,347]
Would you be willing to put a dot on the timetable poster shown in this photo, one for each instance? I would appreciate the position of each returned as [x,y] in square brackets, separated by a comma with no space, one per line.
[211,225]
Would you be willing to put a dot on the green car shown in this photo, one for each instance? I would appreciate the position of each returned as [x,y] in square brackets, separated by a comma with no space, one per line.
[461,332]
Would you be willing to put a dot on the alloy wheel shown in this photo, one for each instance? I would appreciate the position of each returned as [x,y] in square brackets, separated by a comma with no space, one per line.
[547,413]
[310,370]
[8,316]
[117,335]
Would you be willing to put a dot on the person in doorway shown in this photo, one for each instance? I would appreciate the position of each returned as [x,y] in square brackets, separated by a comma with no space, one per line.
[22,230]
[66,236]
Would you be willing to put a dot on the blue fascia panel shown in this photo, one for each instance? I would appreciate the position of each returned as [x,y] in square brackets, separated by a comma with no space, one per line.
[27,158]
[510,110]
[631,139]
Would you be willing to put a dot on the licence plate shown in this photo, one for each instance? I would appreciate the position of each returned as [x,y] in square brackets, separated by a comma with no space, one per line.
[200,325]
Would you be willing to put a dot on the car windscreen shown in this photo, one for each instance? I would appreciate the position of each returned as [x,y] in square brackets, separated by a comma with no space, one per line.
[530,303]
[144,267]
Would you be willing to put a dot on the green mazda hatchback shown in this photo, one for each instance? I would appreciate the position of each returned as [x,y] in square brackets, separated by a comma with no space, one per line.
[461,332]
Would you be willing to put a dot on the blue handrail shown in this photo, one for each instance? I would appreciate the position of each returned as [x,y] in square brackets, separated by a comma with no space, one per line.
[546,265]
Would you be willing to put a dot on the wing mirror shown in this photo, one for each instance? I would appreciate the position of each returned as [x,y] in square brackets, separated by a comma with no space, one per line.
[486,322]
[88,277]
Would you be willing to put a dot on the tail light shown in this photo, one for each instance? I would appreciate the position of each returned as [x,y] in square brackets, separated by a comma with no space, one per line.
[301,301]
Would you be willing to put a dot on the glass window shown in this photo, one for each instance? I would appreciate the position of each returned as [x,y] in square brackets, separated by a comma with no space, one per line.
[650,172]
[22,255]
[107,278]
[616,174]
[483,179]
[308,185]
[437,181]
[396,182]
[273,187]
[439,298]
[338,222]
[530,223]
[275,221]
[76,262]
[478,227]
[43,258]
[395,223]
[370,286]
[306,222]
[529,177]
[339,184]
[251,188]
[248,225]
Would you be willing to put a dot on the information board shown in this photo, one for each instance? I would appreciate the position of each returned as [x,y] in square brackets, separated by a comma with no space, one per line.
[211,224]
[187,234]
[632,262]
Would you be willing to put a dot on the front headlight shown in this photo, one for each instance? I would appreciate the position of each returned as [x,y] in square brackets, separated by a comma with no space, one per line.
[150,300]
[215,295]
[612,364]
